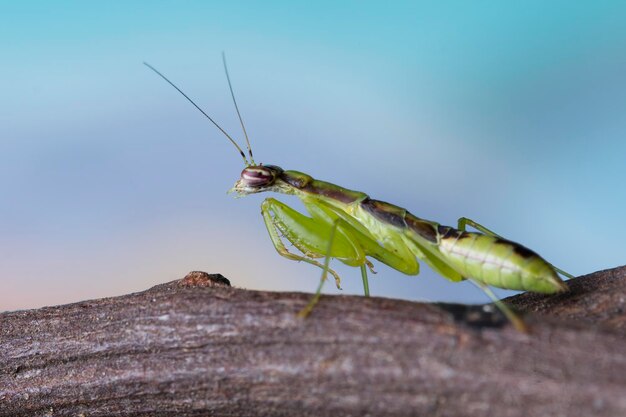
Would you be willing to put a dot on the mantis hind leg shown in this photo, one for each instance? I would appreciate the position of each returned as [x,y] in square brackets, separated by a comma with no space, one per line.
[506,310]
[464,222]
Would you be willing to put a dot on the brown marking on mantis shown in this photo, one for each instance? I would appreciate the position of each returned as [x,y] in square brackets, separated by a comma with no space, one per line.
[423,228]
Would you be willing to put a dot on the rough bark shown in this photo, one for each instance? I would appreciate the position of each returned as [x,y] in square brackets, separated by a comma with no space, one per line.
[198,347]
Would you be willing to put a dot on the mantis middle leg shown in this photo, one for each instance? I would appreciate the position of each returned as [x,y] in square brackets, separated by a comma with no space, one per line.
[395,253]
[313,302]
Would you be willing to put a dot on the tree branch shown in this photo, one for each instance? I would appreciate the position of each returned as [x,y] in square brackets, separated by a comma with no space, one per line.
[198,347]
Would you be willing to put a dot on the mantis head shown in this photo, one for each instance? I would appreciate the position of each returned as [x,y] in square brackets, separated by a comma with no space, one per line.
[256,179]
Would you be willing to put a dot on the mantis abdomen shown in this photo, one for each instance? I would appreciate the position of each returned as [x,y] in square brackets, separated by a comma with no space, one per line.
[498,262]
[457,254]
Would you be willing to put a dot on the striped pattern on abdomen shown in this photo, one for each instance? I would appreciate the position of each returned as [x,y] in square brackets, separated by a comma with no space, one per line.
[497,262]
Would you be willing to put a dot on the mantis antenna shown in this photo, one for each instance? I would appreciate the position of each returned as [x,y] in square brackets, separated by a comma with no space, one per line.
[237,108]
[243,155]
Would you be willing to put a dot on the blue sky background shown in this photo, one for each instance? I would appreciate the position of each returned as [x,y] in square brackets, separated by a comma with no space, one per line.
[511,114]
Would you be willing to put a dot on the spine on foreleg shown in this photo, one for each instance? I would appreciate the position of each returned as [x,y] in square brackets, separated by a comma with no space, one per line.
[498,262]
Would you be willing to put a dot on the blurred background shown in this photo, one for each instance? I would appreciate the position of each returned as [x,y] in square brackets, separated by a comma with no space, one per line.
[510,114]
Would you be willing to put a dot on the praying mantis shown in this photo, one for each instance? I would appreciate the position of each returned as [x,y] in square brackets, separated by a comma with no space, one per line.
[351,227]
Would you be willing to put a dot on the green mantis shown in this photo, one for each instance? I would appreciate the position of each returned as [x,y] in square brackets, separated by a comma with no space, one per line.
[350,226]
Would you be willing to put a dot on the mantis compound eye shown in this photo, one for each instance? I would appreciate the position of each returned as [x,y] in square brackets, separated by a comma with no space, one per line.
[259,176]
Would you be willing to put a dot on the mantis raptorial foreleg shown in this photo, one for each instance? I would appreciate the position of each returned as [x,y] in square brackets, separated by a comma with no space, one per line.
[464,222]
[274,230]
[350,242]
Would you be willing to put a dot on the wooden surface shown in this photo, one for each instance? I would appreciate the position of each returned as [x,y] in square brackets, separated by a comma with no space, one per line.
[198,347]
